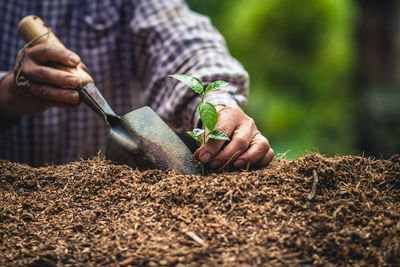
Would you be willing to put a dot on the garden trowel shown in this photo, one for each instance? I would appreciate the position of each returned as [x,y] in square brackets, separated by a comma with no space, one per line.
[140,138]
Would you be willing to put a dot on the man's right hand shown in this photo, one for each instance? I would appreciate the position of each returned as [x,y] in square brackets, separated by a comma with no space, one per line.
[49,87]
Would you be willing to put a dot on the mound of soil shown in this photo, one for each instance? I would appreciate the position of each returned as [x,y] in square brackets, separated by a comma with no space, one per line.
[313,211]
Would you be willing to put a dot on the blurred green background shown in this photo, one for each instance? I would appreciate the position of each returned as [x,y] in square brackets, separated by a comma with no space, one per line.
[309,87]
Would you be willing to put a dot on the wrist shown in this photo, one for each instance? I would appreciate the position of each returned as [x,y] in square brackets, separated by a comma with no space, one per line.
[6,117]
[218,107]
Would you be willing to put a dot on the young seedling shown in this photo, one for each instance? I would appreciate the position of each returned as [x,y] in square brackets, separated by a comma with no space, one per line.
[208,113]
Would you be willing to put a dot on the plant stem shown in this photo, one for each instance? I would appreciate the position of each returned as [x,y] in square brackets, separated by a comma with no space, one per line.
[204,136]
[204,142]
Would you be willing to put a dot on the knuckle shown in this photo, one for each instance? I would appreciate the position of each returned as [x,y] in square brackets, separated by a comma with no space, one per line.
[41,73]
[27,52]
[251,121]
[25,70]
[65,53]
[262,142]
[37,49]
[228,109]
[251,125]
[242,143]
[44,47]
[222,128]
[43,92]
[224,110]
[264,145]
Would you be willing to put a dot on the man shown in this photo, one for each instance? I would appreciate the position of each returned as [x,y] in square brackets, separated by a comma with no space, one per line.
[129,48]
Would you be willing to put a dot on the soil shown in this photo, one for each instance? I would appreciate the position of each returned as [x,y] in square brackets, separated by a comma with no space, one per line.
[309,212]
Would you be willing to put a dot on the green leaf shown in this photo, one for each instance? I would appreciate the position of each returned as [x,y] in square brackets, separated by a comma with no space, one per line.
[215,86]
[208,115]
[197,137]
[190,81]
[218,135]
[198,132]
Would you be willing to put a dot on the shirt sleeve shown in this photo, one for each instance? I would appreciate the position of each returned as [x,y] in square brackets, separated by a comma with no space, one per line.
[3,74]
[169,38]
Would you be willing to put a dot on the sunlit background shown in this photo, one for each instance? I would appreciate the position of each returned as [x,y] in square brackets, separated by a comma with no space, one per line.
[323,73]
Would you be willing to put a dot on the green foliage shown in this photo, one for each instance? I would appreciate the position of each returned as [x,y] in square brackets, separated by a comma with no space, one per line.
[215,86]
[208,113]
[197,134]
[190,81]
[218,135]
[299,55]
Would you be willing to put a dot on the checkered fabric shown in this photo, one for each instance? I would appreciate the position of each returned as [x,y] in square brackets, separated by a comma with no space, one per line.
[130,47]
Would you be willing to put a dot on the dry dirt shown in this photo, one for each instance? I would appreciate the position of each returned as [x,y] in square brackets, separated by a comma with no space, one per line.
[309,212]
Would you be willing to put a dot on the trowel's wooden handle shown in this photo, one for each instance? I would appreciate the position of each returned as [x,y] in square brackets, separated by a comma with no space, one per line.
[33,29]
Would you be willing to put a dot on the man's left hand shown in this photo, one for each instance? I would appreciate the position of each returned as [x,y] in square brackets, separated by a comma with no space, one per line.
[247,145]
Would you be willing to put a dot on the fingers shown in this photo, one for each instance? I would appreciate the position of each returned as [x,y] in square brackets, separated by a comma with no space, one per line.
[35,99]
[49,75]
[212,146]
[54,94]
[247,145]
[258,154]
[267,159]
[239,143]
[83,66]
[47,84]
[44,53]
[226,124]
[34,68]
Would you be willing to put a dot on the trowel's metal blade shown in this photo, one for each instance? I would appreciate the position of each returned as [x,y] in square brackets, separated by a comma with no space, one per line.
[142,139]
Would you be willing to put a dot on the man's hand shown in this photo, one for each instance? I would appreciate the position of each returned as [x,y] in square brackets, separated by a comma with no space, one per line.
[49,87]
[247,145]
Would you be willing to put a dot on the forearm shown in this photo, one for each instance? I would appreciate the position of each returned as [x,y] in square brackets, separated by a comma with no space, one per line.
[5,83]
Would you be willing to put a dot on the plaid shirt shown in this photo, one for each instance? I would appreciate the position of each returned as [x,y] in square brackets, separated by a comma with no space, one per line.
[129,48]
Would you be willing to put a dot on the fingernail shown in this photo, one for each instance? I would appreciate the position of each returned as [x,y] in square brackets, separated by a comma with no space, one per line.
[73,97]
[74,59]
[71,82]
[205,157]
[239,163]
[215,164]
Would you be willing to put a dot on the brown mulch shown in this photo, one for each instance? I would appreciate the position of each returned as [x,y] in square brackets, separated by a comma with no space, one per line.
[308,212]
